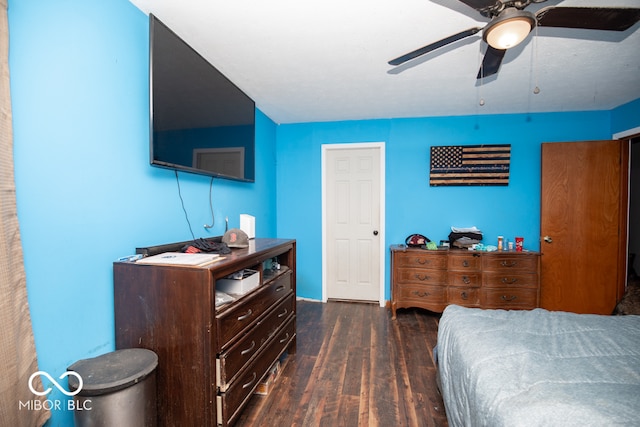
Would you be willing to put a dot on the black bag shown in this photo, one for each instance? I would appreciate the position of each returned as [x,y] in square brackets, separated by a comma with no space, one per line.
[416,240]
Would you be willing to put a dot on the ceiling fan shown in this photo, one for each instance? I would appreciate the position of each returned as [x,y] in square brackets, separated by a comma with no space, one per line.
[510,24]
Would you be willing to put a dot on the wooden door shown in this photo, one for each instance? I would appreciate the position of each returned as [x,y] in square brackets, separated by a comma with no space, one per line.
[353,194]
[583,225]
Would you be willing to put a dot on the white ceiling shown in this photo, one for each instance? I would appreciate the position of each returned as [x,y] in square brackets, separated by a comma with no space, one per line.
[312,61]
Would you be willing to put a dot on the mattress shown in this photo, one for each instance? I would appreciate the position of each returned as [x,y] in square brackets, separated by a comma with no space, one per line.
[538,368]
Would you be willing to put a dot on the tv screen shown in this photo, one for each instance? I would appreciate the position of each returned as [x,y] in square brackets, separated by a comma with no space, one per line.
[200,121]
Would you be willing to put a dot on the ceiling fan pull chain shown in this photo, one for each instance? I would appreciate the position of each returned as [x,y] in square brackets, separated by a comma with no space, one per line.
[481,99]
[536,89]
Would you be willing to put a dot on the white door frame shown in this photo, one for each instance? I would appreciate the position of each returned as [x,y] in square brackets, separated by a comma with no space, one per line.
[381,229]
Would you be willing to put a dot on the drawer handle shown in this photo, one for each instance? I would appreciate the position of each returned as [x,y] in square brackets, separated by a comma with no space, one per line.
[508,298]
[250,382]
[280,288]
[284,313]
[509,263]
[464,295]
[421,294]
[283,340]
[422,261]
[509,281]
[465,263]
[247,350]
[422,277]
[466,280]
[245,316]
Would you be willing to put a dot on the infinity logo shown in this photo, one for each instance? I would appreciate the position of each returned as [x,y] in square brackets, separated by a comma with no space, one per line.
[58,386]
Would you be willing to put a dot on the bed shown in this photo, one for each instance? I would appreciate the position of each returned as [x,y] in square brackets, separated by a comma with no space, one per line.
[538,368]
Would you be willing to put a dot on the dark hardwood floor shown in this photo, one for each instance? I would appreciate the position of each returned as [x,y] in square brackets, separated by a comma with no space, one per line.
[354,366]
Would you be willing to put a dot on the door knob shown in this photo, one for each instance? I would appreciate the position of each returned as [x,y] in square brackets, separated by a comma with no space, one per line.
[548,239]
[375,232]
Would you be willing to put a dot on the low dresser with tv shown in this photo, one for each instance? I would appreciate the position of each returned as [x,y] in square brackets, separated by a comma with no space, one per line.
[211,356]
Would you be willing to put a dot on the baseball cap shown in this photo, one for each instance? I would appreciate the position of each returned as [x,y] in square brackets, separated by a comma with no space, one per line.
[236,238]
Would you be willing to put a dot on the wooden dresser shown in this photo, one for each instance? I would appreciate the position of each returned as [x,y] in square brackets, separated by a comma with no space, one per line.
[434,279]
[210,359]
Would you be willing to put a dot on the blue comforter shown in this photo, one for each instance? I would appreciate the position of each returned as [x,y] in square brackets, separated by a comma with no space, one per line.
[539,368]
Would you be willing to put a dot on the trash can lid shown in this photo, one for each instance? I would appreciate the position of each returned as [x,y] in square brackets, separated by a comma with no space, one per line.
[112,371]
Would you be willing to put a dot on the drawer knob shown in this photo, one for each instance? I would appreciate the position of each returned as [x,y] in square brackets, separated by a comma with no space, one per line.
[509,281]
[465,263]
[246,315]
[250,382]
[466,280]
[421,294]
[464,295]
[247,350]
[508,298]
[509,263]
[283,340]
[422,261]
[422,277]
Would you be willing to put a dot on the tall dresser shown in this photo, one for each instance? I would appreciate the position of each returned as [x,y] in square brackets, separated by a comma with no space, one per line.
[433,279]
[210,358]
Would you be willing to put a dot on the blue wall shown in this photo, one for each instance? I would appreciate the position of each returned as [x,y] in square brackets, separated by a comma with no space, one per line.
[412,206]
[86,193]
[625,117]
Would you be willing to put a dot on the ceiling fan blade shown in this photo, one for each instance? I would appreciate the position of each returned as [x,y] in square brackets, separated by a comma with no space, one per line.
[433,46]
[590,18]
[491,62]
[482,5]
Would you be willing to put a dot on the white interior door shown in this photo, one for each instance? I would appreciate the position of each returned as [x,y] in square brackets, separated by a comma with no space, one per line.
[353,254]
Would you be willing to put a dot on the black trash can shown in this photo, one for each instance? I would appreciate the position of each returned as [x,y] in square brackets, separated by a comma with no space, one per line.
[118,389]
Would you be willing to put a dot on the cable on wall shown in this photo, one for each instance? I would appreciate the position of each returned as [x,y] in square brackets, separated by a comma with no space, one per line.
[183,208]
[213,218]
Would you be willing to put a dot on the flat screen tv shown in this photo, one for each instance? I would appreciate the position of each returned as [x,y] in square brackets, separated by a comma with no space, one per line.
[200,121]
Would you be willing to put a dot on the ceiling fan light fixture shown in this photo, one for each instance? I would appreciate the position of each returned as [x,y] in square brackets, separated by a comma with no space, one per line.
[509,28]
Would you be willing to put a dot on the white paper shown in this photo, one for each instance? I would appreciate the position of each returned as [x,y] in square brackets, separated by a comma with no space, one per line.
[473,229]
[179,258]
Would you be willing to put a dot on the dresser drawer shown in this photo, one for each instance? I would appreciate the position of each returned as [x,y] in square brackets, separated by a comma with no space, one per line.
[241,316]
[229,403]
[229,363]
[421,276]
[470,279]
[464,262]
[510,262]
[423,294]
[468,297]
[515,280]
[509,298]
[433,260]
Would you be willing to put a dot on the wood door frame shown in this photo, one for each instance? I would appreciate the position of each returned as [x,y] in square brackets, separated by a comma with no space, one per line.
[381,229]
[623,245]
[626,135]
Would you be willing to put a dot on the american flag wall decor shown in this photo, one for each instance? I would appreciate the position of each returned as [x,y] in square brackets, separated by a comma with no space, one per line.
[470,165]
